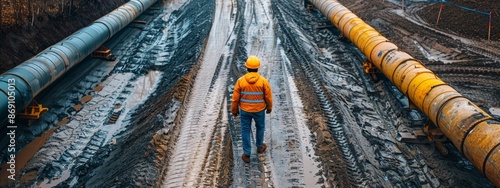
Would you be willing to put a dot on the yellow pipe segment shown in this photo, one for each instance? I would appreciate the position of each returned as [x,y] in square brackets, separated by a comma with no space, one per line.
[474,132]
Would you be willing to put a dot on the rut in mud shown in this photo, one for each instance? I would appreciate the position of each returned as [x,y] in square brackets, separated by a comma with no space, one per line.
[160,116]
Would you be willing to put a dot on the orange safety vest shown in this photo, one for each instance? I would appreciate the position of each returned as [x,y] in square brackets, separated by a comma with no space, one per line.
[252,93]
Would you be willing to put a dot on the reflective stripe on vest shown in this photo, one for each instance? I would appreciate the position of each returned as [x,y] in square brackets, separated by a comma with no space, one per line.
[252,93]
[252,101]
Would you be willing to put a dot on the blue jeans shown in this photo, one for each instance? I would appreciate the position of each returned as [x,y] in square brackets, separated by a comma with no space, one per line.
[246,129]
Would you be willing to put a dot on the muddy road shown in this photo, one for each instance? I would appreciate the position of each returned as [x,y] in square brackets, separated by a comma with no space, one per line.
[159,116]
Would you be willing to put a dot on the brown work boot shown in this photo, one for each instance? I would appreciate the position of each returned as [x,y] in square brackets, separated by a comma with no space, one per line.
[245,158]
[262,149]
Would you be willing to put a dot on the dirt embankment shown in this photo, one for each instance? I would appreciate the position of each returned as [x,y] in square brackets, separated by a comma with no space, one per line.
[22,42]
[466,23]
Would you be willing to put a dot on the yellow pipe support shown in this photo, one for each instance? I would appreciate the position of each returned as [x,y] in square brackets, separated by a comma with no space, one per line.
[474,132]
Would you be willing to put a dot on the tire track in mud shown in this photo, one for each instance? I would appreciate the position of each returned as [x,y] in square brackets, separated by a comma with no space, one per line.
[403,164]
[96,161]
[253,174]
[191,164]
[257,173]
[303,52]
[481,70]
[197,132]
[290,160]
[211,177]
[355,115]
[488,50]
[296,163]
[80,139]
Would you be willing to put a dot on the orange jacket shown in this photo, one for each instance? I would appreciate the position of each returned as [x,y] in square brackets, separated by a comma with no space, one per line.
[252,93]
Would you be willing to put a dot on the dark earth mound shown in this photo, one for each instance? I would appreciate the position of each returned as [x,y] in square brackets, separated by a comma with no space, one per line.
[21,42]
[466,23]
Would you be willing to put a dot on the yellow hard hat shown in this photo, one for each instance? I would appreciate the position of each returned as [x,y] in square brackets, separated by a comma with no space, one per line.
[252,62]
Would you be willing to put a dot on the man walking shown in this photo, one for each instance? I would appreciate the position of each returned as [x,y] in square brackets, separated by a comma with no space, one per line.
[252,94]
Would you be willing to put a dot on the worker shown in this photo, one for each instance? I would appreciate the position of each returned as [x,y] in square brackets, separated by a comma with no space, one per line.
[251,97]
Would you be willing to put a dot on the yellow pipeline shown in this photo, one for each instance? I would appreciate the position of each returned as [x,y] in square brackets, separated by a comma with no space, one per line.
[474,132]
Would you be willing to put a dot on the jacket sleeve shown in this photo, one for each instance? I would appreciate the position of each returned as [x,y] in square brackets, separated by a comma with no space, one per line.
[235,101]
[268,95]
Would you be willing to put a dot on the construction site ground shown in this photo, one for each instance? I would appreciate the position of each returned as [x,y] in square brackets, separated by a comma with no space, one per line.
[159,116]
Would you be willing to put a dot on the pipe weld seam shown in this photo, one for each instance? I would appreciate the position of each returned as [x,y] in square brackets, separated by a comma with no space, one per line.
[384,56]
[474,124]
[5,92]
[442,106]
[22,78]
[488,156]
[428,91]
[402,62]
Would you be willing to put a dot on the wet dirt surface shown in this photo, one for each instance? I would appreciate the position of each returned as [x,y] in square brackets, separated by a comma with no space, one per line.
[159,116]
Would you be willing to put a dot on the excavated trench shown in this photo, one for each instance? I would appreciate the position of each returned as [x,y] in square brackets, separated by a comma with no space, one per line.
[159,116]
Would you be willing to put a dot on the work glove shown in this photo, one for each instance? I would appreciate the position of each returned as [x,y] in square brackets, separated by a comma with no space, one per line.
[268,111]
[235,114]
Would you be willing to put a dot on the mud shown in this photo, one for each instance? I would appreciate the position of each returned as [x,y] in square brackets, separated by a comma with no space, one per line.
[160,114]
[23,157]
[457,60]
[476,24]
[67,172]
[146,159]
